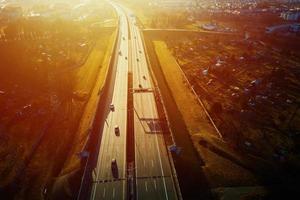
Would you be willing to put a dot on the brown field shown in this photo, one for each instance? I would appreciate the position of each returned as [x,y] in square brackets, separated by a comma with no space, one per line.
[219,171]
[45,88]
[231,162]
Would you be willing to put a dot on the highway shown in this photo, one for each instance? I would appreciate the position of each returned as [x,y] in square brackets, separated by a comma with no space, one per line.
[153,172]
[151,167]
[113,146]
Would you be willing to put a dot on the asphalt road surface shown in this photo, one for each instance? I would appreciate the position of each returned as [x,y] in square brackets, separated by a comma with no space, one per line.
[153,174]
[113,146]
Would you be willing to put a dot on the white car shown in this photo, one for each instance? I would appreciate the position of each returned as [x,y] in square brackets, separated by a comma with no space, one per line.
[112,107]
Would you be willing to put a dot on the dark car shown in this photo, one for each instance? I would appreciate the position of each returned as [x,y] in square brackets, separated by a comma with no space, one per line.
[112,107]
[117,130]
[114,168]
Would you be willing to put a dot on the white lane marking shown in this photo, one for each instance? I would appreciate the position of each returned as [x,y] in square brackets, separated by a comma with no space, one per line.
[144,163]
[104,190]
[154,183]
[162,170]
[107,128]
[119,63]
[157,145]
[125,93]
[152,163]
[113,194]
[146,186]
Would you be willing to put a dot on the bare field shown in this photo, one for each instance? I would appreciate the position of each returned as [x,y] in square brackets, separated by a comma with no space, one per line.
[186,101]
[73,162]
[222,69]
[219,171]
[44,91]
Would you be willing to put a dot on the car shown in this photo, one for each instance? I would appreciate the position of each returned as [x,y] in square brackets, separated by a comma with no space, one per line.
[137,60]
[140,86]
[114,168]
[123,38]
[117,130]
[126,58]
[112,107]
[120,53]
[140,51]
[144,77]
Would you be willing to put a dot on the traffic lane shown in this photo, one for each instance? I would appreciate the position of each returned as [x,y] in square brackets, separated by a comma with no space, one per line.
[157,150]
[111,143]
[149,159]
[113,146]
[110,190]
[106,136]
[137,78]
[142,75]
[139,60]
[108,141]
[161,151]
[156,134]
[138,47]
[146,153]
[146,162]
[162,164]
[105,141]
[115,149]
[123,24]
[149,136]
[155,188]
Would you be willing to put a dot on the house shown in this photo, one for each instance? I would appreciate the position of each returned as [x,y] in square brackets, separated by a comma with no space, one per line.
[292,15]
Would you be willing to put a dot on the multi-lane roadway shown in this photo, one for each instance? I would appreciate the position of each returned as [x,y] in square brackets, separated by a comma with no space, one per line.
[153,172]
[151,166]
[113,146]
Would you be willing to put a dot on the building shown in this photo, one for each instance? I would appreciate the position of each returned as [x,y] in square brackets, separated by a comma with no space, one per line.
[291,15]
[278,28]
[175,3]
[295,28]
[11,13]
[283,28]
